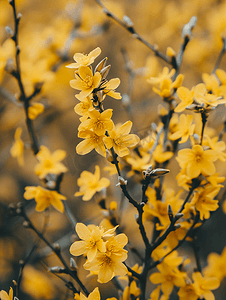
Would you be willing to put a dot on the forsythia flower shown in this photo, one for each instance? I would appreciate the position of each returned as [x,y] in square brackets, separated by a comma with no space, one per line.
[91,141]
[18,147]
[119,138]
[44,198]
[216,265]
[109,88]
[110,263]
[49,163]
[5,296]
[83,108]
[85,81]
[84,59]
[92,240]
[197,161]
[35,110]
[186,98]
[94,295]
[168,278]
[204,285]
[204,202]
[91,183]
[185,129]
[98,122]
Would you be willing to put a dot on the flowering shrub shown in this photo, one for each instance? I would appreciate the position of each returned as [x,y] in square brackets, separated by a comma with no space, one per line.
[136,218]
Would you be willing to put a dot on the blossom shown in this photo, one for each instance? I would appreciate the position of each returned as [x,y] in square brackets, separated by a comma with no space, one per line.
[84,59]
[109,88]
[92,241]
[216,266]
[98,122]
[189,291]
[17,149]
[5,296]
[94,295]
[167,86]
[197,161]
[186,98]
[44,198]
[204,285]
[49,163]
[85,81]
[160,156]
[34,110]
[119,138]
[168,278]
[83,108]
[185,129]
[202,96]
[91,183]
[110,263]
[204,202]
[92,141]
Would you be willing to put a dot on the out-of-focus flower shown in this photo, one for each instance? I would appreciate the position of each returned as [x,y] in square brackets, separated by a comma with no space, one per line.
[186,98]
[91,183]
[49,163]
[86,82]
[94,295]
[34,110]
[189,291]
[185,129]
[84,59]
[5,296]
[37,284]
[204,285]
[204,202]
[216,266]
[98,122]
[168,279]
[119,138]
[17,149]
[160,156]
[44,198]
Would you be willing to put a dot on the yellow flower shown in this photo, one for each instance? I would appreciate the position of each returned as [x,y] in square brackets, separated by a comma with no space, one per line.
[119,138]
[5,296]
[85,81]
[98,122]
[204,285]
[202,96]
[166,74]
[204,202]
[186,98]
[218,146]
[155,293]
[92,141]
[216,266]
[185,129]
[189,291]
[49,163]
[83,108]
[109,88]
[44,198]
[160,156]
[84,59]
[168,278]
[110,263]
[92,241]
[91,183]
[138,163]
[197,161]
[35,110]
[17,149]
[94,295]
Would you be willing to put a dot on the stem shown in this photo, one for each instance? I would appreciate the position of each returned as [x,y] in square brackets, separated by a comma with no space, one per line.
[220,56]
[204,120]
[130,28]
[57,251]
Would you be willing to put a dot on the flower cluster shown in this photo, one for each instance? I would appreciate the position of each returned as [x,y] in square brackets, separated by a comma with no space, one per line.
[97,129]
[104,251]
